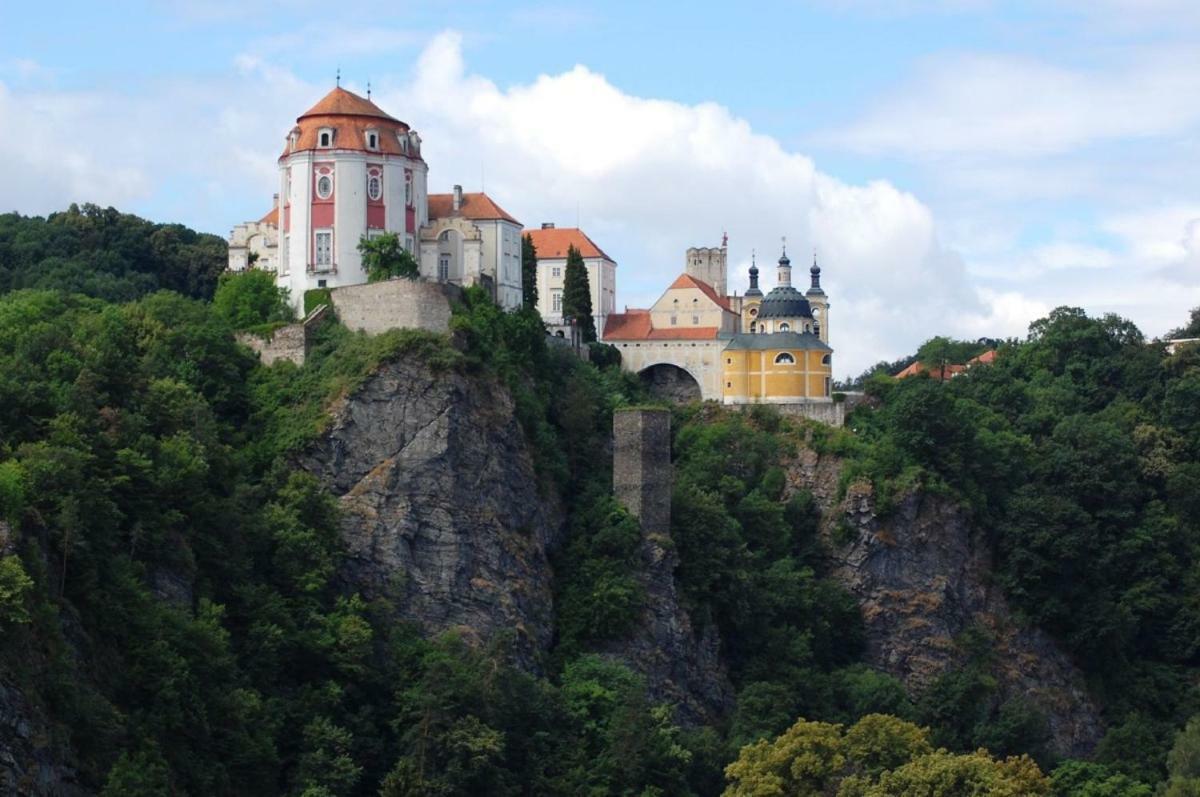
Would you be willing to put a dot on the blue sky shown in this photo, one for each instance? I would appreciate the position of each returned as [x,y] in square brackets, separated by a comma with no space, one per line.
[960,167]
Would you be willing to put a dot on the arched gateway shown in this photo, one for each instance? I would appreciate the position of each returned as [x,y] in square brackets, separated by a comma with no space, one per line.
[671,382]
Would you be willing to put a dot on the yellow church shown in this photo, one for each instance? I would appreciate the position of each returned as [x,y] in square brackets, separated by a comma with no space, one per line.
[696,342]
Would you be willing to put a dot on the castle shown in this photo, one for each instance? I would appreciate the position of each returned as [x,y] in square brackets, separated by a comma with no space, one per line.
[349,170]
[699,342]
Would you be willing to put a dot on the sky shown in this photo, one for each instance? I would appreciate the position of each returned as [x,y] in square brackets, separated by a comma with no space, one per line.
[958,167]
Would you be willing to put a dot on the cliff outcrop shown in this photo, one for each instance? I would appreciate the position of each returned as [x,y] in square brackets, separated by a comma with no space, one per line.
[921,575]
[442,514]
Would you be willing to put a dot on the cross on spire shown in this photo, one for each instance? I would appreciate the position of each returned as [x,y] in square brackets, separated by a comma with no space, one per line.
[338,78]
[783,238]
[368,89]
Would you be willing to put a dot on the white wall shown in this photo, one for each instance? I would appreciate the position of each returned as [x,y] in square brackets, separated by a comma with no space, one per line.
[602,280]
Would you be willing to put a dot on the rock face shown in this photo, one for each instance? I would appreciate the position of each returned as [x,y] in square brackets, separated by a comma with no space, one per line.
[441,509]
[29,763]
[680,668]
[922,578]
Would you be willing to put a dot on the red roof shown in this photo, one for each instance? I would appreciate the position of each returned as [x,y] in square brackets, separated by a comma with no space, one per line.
[935,373]
[272,217]
[688,281]
[480,207]
[986,358]
[552,243]
[340,102]
[635,325]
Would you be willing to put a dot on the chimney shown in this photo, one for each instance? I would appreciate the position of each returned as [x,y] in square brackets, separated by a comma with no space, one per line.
[547,225]
[457,198]
[275,201]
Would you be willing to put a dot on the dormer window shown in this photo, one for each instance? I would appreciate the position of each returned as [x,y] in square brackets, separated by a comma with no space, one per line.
[403,139]
[372,139]
[325,137]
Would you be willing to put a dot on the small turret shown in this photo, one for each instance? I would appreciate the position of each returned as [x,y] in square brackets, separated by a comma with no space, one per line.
[753,290]
[785,269]
[815,272]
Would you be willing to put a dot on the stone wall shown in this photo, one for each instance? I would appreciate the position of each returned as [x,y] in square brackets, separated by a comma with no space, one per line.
[642,466]
[830,412]
[286,343]
[399,303]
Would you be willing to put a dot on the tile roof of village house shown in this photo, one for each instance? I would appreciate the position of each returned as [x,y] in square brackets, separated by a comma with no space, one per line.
[636,325]
[478,206]
[552,242]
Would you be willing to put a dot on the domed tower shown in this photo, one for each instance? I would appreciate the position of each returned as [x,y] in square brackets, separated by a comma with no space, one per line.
[785,309]
[818,302]
[348,170]
[751,299]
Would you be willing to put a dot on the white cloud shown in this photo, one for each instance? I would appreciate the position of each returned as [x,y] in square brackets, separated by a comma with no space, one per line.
[1013,106]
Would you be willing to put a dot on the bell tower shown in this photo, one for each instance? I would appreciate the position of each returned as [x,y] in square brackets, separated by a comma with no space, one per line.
[819,302]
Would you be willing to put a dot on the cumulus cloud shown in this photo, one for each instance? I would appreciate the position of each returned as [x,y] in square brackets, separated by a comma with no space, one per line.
[646,178]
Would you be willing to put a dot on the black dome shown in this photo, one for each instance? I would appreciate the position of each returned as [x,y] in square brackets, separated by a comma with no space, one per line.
[784,302]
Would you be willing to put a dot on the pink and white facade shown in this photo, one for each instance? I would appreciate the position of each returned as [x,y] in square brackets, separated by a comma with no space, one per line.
[349,170]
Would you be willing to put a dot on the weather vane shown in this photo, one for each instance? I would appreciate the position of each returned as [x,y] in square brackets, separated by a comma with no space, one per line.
[783,238]
[368,89]
[338,78]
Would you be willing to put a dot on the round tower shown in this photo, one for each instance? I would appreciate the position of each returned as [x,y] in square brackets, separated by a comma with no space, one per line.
[348,170]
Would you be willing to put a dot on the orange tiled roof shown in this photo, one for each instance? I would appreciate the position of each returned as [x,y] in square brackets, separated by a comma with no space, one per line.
[688,281]
[552,243]
[631,325]
[474,206]
[635,325]
[934,373]
[987,357]
[272,217]
[340,102]
[350,116]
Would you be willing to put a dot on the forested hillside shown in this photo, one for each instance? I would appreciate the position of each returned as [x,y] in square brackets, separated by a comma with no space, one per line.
[176,619]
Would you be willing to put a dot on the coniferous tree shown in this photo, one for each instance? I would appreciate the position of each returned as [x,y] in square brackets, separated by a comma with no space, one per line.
[529,272]
[577,295]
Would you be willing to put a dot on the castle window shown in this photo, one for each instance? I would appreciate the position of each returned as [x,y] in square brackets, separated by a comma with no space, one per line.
[408,191]
[783,358]
[827,359]
[322,283]
[325,137]
[372,140]
[753,312]
[374,187]
[828,387]
[784,327]
[729,361]
[674,320]
[556,271]
[324,248]
[324,186]
[695,320]
[556,301]
[443,267]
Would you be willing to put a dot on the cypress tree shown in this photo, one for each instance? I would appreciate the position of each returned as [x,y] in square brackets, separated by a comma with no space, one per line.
[529,272]
[577,295]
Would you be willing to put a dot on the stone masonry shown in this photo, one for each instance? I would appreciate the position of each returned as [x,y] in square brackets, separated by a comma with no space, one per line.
[642,466]
[400,303]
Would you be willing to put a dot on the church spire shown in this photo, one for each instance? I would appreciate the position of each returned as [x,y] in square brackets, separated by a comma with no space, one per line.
[753,290]
[815,273]
[785,267]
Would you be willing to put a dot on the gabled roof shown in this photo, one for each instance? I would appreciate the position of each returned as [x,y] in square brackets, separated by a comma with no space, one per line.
[688,281]
[987,357]
[340,102]
[477,206]
[551,243]
[272,217]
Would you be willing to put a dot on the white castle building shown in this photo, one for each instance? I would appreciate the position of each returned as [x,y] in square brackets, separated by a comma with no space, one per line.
[348,171]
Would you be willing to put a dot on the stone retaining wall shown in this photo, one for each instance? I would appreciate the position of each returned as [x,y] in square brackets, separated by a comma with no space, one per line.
[400,303]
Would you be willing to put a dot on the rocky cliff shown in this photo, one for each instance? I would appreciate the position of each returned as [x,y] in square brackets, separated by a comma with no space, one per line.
[441,509]
[443,516]
[922,577]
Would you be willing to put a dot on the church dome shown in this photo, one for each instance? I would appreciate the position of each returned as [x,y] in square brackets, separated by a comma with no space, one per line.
[342,120]
[784,301]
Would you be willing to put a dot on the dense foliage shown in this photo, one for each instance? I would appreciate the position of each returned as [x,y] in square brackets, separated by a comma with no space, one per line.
[1077,451]
[385,257]
[168,590]
[529,282]
[106,254]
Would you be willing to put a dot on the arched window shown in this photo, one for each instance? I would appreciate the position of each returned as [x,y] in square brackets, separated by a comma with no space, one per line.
[374,185]
[785,327]
[753,327]
[783,358]
[827,359]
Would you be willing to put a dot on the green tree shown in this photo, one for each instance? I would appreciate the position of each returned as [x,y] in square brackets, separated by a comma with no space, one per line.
[385,257]
[250,298]
[529,288]
[1189,330]
[143,774]
[577,295]
[15,585]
